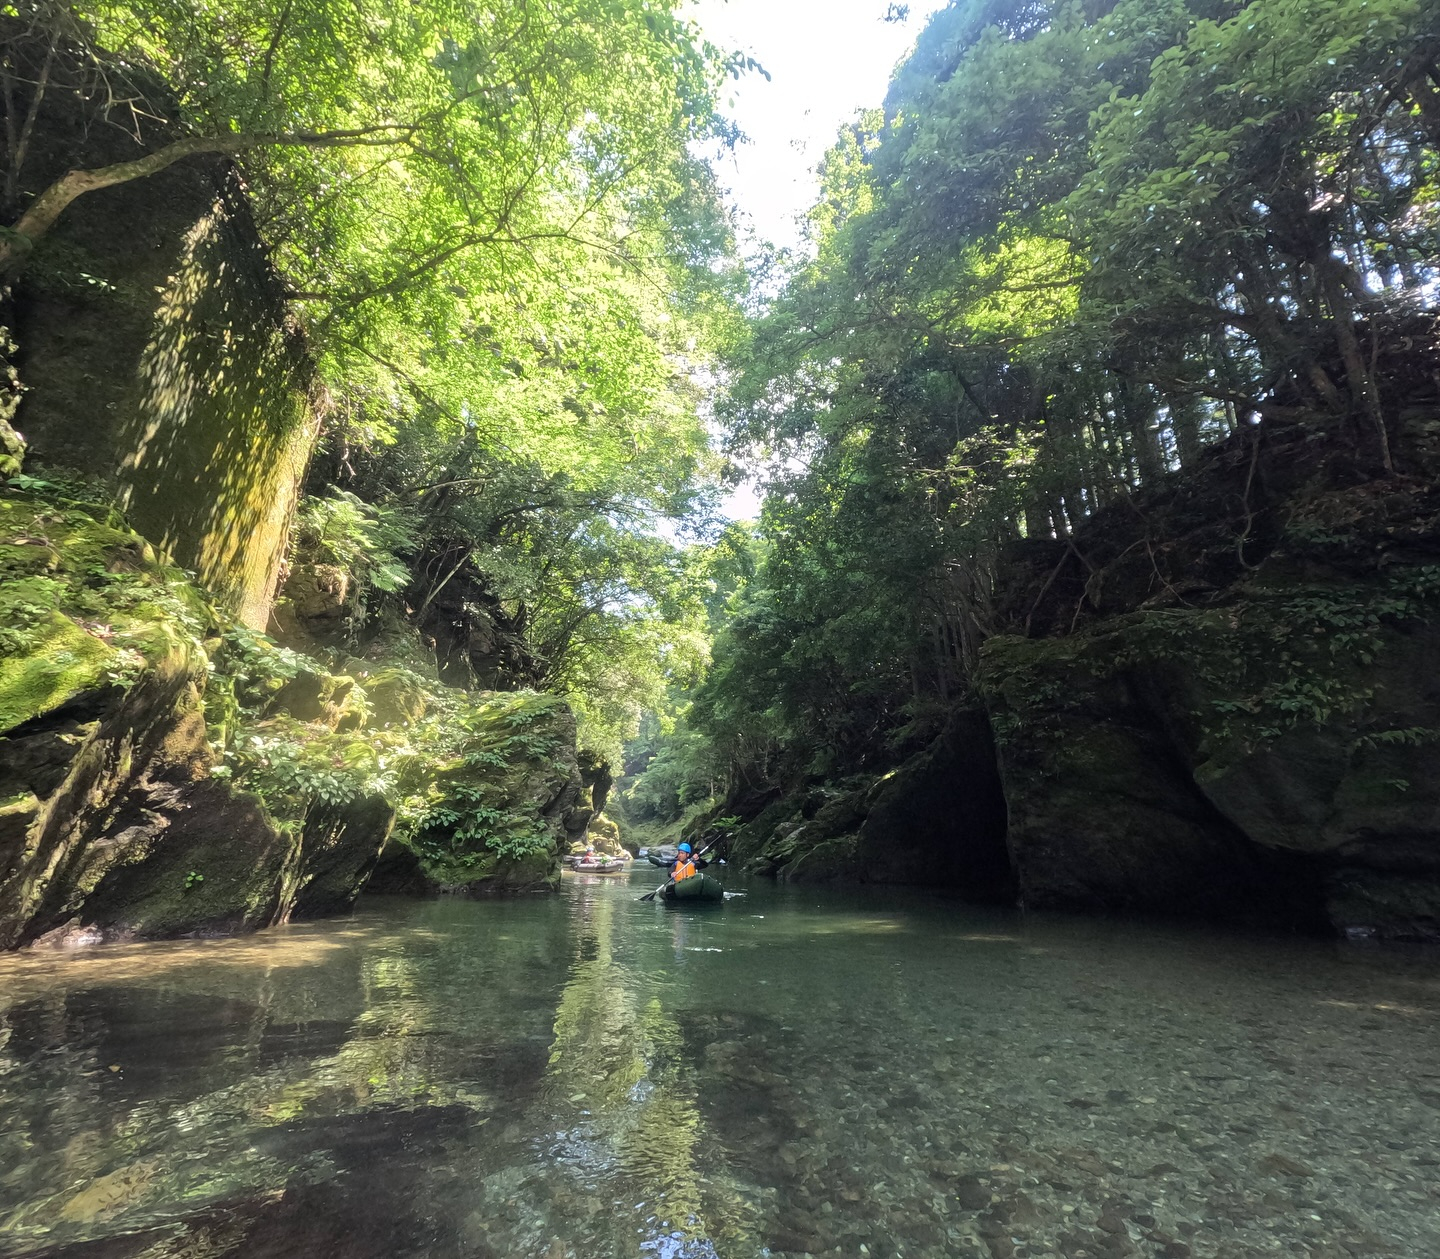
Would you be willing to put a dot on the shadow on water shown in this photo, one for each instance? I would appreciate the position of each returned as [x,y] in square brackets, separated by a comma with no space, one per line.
[798,1073]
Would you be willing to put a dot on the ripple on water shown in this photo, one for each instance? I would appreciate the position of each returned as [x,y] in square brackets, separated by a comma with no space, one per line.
[793,1074]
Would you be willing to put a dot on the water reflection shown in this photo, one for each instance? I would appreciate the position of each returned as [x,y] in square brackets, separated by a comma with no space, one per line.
[626,1092]
[794,1074]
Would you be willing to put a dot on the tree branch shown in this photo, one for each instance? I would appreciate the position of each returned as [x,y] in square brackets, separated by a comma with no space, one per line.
[18,239]
[19,144]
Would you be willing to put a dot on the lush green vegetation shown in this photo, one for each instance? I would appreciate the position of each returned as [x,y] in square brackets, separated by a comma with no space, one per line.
[88,609]
[512,272]
[1081,242]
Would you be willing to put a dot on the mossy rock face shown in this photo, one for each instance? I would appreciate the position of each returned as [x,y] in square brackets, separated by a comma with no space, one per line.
[812,856]
[1226,760]
[605,835]
[85,605]
[485,787]
[937,820]
[18,811]
[60,662]
[1366,778]
[1228,710]
[217,866]
[111,826]
[825,847]
[115,795]
[99,693]
[315,695]
[164,771]
[753,844]
[397,697]
[598,776]
[1101,812]
[340,848]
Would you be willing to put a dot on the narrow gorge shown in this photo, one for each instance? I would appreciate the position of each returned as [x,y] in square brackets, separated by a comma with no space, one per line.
[588,671]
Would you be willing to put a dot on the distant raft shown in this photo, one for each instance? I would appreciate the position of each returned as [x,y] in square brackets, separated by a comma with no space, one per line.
[603,865]
[698,887]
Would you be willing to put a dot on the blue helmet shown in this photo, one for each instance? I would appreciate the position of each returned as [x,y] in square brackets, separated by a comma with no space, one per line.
[685,848]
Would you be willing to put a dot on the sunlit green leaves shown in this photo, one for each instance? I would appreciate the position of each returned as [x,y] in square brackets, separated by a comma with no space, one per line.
[514,288]
[1082,242]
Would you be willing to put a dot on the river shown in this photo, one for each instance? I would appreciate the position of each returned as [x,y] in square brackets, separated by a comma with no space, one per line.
[796,1072]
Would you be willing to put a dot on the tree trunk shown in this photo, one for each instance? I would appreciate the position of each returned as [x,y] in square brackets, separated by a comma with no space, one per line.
[1185,418]
[12,445]
[1361,384]
[1139,416]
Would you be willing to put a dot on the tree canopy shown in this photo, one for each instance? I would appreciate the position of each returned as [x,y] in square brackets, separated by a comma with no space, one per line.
[1080,243]
[507,259]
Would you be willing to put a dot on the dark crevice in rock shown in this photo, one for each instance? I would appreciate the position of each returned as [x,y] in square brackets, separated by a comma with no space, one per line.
[938,820]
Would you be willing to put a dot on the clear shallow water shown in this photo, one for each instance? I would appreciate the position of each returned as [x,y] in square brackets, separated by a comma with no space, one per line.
[794,1073]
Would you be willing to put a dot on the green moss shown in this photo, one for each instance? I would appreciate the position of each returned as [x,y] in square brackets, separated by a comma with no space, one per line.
[1280,656]
[86,604]
[63,661]
[20,804]
[398,696]
[482,805]
[469,775]
[834,857]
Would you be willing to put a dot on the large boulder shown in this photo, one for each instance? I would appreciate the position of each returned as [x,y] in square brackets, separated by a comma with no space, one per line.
[113,821]
[497,799]
[1268,749]
[190,859]
[340,848]
[1104,811]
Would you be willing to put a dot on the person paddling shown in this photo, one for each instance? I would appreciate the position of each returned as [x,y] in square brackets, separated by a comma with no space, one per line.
[686,865]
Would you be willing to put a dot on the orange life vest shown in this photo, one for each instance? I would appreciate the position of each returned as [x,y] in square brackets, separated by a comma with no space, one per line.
[684,868]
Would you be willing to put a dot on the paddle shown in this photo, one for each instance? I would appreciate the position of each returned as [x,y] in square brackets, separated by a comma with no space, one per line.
[650,896]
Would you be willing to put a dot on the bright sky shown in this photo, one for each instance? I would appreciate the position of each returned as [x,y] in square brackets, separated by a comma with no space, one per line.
[826,59]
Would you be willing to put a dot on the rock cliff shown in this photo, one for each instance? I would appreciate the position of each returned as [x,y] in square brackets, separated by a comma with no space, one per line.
[1218,698]
[164,771]
[1246,714]
[937,820]
[154,351]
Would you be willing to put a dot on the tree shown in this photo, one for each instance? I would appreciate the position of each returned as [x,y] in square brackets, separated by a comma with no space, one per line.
[509,265]
[1082,242]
